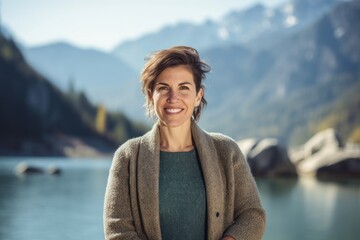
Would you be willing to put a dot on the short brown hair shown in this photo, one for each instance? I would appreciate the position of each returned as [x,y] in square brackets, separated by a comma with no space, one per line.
[160,60]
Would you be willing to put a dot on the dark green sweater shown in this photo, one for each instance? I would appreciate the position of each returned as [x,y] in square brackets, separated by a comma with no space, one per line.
[182,196]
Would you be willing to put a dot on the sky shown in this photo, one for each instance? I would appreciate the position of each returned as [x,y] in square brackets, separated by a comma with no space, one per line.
[103,24]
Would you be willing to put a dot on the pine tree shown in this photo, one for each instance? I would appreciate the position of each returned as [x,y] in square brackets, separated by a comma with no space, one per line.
[100,120]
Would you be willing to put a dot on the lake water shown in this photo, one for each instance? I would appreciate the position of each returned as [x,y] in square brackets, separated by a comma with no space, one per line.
[69,206]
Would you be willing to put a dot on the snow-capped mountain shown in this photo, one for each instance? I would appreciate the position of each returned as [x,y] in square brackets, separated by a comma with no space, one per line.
[247,27]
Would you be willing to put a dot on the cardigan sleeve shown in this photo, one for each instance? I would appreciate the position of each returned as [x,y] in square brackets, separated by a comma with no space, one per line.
[249,216]
[118,219]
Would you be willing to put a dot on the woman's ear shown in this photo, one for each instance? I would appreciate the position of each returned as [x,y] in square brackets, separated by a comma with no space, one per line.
[150,95]
[199,97]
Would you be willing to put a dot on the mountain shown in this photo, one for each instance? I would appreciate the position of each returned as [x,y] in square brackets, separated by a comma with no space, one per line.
[113,79]
[4,31]
[38,119]
[103,77]
[289,89]
[245,27]
[198,36]
[285,79]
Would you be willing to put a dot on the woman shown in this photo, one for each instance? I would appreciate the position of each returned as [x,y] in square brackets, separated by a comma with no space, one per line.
[178,181]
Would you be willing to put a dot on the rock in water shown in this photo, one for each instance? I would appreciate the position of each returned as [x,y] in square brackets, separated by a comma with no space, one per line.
[266,157]
[23,168]
[53,170]
[325,154]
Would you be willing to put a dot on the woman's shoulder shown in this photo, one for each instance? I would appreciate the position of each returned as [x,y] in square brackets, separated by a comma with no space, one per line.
[127,150]
[124,153]
[128,147]
[214,140]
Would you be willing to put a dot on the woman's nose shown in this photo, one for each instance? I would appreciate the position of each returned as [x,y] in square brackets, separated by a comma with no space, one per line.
[173,96]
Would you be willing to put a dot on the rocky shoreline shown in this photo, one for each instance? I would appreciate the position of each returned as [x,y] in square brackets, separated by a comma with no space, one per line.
[60,145]
[324,155]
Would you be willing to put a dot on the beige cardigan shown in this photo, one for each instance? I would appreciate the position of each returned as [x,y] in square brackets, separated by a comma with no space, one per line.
[131,209]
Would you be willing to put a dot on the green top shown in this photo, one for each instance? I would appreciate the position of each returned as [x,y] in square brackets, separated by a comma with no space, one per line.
[182,196]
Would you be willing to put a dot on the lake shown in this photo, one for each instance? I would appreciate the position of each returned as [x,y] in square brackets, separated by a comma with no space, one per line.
[69,206]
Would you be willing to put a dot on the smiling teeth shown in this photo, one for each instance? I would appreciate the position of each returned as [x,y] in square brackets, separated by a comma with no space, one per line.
[173,110]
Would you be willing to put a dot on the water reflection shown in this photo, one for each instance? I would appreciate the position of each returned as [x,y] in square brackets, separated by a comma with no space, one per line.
[69,206]
[319,202]
[311,209]
[276,187]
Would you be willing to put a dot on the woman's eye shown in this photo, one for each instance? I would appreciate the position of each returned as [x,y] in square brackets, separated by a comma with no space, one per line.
[184,88]
[161,89]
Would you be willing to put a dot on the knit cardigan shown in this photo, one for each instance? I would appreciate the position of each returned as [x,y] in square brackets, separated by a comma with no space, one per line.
[131,208]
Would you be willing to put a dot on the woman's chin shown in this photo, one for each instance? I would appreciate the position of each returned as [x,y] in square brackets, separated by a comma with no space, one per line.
[173,123]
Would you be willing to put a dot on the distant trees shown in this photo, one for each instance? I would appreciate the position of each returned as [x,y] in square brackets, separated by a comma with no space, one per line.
[109,123]
[100,119]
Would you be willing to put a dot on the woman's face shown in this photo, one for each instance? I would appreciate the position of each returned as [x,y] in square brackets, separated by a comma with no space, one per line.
[174,96]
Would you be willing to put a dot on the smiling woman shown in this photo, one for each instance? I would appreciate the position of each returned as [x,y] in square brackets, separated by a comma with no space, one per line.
[161,64]
[175,97]
[178,181]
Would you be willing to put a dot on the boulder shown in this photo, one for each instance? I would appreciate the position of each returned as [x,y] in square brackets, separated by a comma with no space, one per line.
[53,170]
[23,168]
[325,154]
[266,157]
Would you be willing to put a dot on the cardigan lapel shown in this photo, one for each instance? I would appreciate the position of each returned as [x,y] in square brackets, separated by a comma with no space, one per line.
[213,180]
[148,180]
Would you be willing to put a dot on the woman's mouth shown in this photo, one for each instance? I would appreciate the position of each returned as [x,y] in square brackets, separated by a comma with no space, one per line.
[173,110]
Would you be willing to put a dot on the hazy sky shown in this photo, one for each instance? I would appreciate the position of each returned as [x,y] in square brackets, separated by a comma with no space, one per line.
[103,24]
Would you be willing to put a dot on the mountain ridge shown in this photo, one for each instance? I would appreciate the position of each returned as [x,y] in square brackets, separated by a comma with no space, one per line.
[313,58]
[38,119]
[272,72]
[242,27]
[105,78]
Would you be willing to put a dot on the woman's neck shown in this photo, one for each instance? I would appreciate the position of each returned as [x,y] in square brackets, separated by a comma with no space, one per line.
[177,139]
